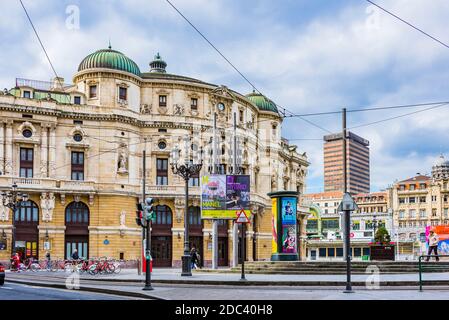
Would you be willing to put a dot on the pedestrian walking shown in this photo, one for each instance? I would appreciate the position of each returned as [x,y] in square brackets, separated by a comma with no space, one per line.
[193,257]
[433,245]
[47,255]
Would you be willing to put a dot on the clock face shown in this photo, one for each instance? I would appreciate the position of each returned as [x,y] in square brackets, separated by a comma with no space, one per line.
[221,106]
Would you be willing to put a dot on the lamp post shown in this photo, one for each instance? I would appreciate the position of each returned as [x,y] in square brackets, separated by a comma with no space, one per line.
[12,200]
[189,167]
[374,228]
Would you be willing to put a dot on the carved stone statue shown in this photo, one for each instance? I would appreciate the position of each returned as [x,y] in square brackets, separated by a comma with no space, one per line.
[122,162]
[47,206]
[122,219]
[4,212]
[145,108]
[178,110]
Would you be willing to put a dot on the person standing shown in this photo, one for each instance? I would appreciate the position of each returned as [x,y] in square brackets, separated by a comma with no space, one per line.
[48,260]
[75,255]
[193,257]
[433,245]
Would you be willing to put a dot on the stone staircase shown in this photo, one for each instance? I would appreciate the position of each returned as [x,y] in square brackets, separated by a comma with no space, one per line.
[338,267]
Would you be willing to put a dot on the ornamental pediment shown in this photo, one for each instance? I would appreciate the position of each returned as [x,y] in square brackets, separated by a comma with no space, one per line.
[224,92]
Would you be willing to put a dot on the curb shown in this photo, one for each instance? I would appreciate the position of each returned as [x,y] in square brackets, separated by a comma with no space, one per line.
[88,289]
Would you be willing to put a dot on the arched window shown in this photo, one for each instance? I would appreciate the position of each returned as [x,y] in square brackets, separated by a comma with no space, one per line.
[77,213]
[163,215]
[27,212]
[194,216]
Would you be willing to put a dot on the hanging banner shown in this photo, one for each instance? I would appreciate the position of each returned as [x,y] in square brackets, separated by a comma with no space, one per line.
[223,195]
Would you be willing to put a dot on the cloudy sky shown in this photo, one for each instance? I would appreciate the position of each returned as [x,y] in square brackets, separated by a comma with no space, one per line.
[306,55]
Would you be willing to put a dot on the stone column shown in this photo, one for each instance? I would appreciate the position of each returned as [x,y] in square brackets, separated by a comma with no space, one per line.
[2,149]
[44,152]
[52,152]
[8,148]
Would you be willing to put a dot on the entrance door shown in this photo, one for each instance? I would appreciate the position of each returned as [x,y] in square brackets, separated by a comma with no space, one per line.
[81,243]
[161,251]
[198,243]
[222,252]
[312,254]
[26,249]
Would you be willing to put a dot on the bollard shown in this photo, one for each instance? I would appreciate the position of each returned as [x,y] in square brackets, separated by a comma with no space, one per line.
[139,269]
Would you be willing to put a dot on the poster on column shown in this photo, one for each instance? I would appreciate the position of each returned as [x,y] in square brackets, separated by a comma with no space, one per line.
[288,239]
[274,231]
[288,212]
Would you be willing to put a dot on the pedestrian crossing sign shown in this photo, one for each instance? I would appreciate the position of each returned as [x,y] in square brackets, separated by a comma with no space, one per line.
[242,217]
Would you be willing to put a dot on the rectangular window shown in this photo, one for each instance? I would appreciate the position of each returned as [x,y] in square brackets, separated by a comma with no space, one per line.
[322,252]
[434,212]
[422,186]
[77,165]
[194,181]
[401,200]
[161,130]
[366,252]
[434,198]
[194,104]
[356,225]
[445,212]
[77,100]
[357,252]
[331,252]
[422,199]
[411,200]
[27,94]
[412,187]
[162,101]
[122,93]
[162,172]
[241,115]
[92,91]
[402,187]
[26,163]
[412,213]
[339,252]
[422,213]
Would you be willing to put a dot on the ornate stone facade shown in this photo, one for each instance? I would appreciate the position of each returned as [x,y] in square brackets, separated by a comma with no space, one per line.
[87,143]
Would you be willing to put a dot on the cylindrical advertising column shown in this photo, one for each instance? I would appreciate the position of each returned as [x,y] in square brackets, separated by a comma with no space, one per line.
[284,233]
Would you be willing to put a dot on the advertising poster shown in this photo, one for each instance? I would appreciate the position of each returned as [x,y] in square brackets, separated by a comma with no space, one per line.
[213,196]
[274,231]
[289,239]
[223,195]
[288,210]
[443,235]
[237,192]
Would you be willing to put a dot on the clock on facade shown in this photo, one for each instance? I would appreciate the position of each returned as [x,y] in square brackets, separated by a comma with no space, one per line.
[221,106]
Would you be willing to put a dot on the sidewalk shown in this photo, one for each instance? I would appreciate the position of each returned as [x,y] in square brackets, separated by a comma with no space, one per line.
[173,276]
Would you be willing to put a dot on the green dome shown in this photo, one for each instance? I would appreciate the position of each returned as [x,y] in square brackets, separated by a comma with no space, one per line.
[262,102]
[110,59]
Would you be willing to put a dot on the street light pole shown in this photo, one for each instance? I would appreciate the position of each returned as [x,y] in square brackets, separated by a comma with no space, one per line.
[347,213]
[12,201]
[147,228]
[188,169]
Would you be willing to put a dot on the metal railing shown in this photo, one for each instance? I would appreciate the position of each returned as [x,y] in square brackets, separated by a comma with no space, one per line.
[423,266]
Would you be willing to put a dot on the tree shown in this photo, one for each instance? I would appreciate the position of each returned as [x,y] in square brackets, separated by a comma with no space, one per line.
[382,236]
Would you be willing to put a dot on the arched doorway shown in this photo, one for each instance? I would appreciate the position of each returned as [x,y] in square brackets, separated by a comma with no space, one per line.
[161,237]
[196,231]
[26,233]
[77,229]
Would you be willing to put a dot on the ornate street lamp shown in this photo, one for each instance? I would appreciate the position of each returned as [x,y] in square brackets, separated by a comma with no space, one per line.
[12,199]
[187,168]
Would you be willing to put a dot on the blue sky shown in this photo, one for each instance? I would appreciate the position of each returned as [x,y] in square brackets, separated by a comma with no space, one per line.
[308,56]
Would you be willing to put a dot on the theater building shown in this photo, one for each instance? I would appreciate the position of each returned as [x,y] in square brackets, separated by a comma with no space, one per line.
[76,150]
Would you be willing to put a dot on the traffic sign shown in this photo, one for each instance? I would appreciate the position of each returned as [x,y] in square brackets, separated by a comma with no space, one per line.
[242,217]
